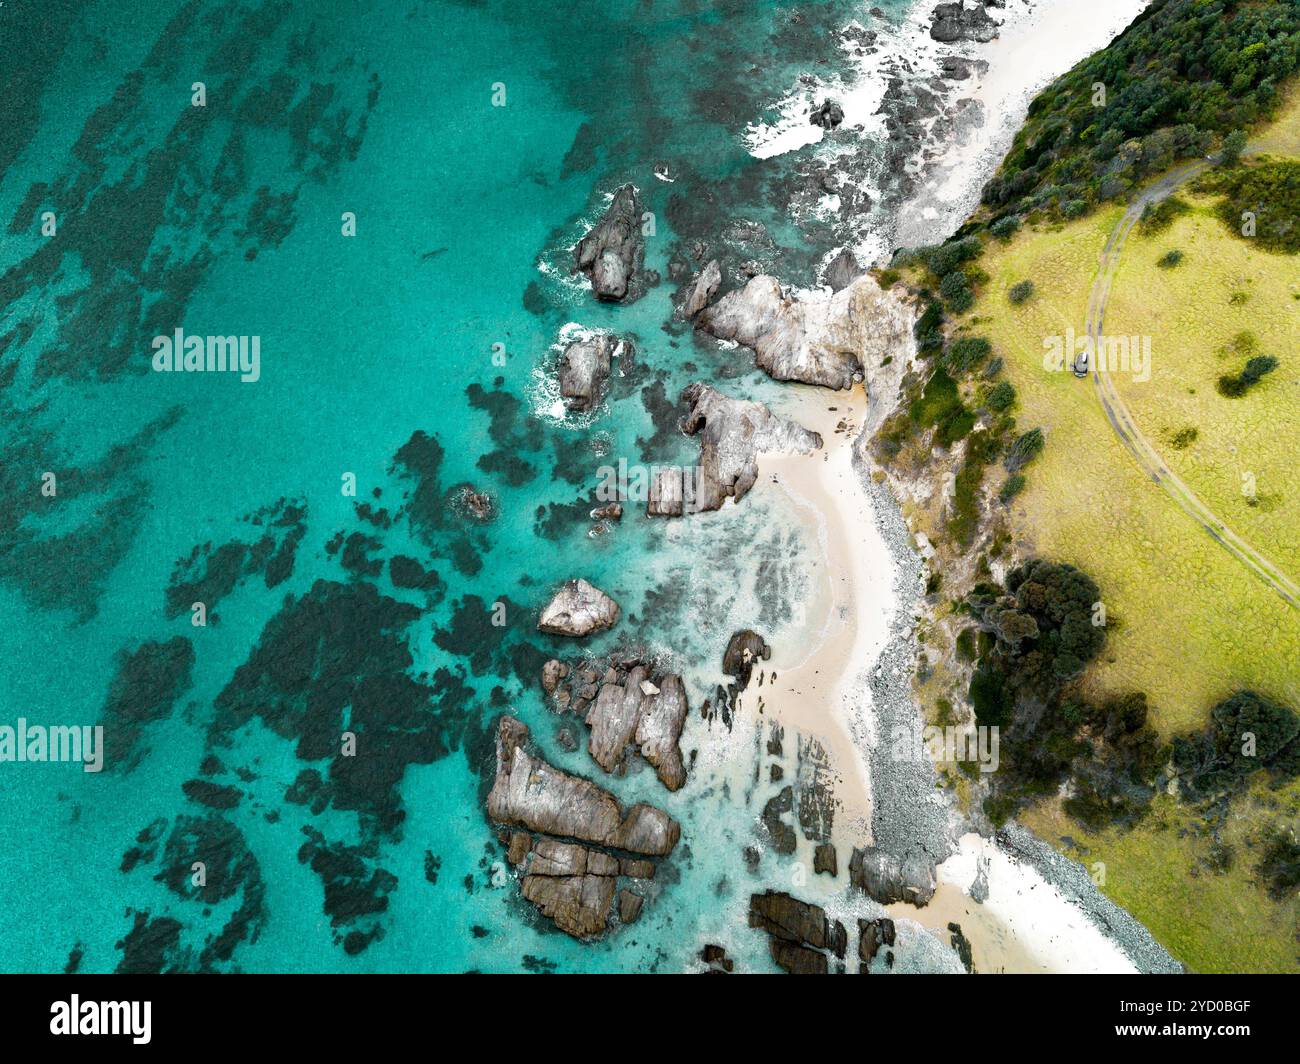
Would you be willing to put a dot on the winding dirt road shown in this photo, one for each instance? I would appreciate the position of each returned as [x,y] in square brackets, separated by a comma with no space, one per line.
[1121,419]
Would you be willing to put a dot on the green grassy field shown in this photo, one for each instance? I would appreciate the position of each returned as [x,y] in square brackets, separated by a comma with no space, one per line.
[1187,622]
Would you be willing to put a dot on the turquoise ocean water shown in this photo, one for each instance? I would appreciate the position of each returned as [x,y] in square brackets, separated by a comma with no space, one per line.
[376,361]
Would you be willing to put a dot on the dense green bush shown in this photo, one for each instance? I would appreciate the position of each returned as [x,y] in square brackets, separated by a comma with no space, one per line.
[1247,732]
[1183,73]
[1170,259]
[1236,385]
[1024,450]
[966,354]
[1020,292]
[1001,397]
[1270,191]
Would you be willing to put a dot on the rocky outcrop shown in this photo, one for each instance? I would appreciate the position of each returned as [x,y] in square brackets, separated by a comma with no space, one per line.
[828,114]
[798,933]
[528,793]
[583,370]
[811,337]
[629,905]
[888,879]
[956,22]
[695,296]
[842,270]
[959,68]
[611,254]
[825,859]
[780,834]
[630,706]
[732,434]
[717,961]
[744,650]
[873,936]
[578,609]
[571,882]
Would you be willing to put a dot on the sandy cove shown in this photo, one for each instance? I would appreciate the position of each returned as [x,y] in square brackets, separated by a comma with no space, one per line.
[1024,923]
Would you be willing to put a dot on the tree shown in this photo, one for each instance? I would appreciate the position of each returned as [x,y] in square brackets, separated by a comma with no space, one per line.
[1233,145]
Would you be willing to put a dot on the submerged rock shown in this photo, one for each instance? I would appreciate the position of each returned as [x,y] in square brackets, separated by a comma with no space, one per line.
[732,433]
[612,252]
[578,609]
[584,370]
[887,879]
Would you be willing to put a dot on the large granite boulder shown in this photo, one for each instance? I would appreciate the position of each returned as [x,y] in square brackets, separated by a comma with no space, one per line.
[578,609]
[887,879]
[528,793]
[611,254]
[583,370]
[732,434]
[695,296]
[808,337]
[956,22]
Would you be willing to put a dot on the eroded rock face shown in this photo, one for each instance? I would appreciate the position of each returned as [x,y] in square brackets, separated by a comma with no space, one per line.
[744,649]
[578,609]
[583,370]
[956,22]
[612,252]
[809,337]
[842,270]
[695,296]
[887,879]
[573,883]
[732,434]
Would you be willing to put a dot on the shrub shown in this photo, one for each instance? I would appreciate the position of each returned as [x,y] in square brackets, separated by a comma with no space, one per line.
[966,354]
[1271,191]
[1024,450]
[1184,438]
[1013,486]
[928,329]
[954,286]
[1001,397]
[1020,293]
[1280,865]
[1005,228]
[1255,370]
[1170,259]
[1158,217]
[947,257]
